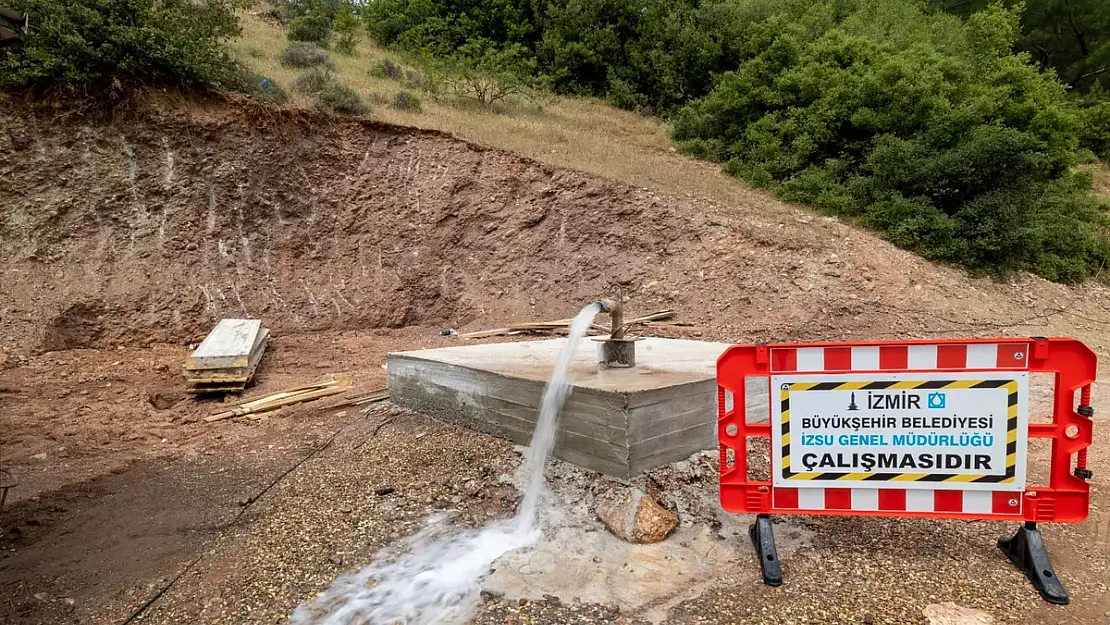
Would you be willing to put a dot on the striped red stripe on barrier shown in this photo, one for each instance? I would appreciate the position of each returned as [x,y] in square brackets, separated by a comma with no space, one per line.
[970,356]
[897,500]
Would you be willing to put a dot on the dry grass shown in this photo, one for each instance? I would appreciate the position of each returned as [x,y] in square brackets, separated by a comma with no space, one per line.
[576,133]
[1101,174]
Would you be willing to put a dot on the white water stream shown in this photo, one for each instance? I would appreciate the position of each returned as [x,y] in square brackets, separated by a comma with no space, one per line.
[435,575]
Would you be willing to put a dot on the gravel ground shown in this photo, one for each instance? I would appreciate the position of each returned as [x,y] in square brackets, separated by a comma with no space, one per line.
[332,514]
[365,491]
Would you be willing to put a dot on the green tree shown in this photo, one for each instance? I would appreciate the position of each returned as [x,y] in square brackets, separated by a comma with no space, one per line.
[960,157]
[439,27]
[346,25]
[292,9]
[584,39]
[1070,36]
[80,43]
[313,26]
[485,72]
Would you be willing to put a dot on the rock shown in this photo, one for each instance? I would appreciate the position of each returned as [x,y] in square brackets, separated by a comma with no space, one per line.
[165,400]
[492,595]
[633,516]
[689,470]
[20,141]
[39,457]
[949,613]
[385,490]
[41,596]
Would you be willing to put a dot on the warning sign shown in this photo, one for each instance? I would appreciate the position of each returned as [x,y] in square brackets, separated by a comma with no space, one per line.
[960,430]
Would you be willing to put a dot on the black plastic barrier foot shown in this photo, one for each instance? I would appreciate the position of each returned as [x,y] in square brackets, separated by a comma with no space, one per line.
[1026,550]
[763,538]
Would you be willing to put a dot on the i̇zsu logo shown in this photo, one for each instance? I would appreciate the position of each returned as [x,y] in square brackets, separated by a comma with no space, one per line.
[937,401]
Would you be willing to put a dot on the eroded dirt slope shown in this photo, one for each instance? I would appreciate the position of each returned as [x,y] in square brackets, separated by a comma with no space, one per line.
[148,224]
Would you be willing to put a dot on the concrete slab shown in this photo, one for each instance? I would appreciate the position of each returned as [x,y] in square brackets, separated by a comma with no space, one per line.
[660,363]
[229,345]
[620,422]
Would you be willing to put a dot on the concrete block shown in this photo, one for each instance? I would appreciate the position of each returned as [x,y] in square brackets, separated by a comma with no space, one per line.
[620,422]
[229,345]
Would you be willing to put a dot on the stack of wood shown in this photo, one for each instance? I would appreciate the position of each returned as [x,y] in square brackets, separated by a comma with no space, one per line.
[227,358]
[281,399]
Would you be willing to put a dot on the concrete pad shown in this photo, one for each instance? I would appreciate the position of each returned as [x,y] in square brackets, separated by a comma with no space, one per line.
[620,422]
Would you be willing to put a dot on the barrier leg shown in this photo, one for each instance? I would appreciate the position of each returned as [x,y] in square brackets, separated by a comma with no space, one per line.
[763,538]
[1026,550]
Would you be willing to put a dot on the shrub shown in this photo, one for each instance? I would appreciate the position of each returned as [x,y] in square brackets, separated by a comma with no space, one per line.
[405,101]
[305,54]
[80,43]
[379,98]
[1096,128]
[387,69]
[312,26]
[312,81]
[411,78]
[623,95]
[341,99]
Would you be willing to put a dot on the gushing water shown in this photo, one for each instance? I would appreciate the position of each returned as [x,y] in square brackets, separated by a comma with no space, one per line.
[434,576]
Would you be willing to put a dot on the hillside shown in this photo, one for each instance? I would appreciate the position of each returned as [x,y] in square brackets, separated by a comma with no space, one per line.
[576,133]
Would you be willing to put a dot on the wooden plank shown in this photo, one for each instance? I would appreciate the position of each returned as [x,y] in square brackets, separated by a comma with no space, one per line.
[530,326]
[261,399]
[229,345]
[216,388]
[217,380]
[278,403]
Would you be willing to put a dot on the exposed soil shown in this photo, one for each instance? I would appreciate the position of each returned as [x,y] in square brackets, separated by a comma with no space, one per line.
[127,234]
